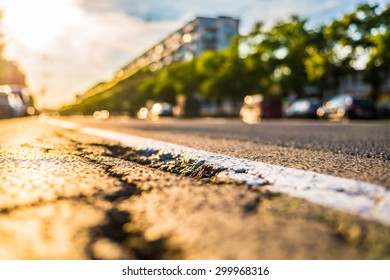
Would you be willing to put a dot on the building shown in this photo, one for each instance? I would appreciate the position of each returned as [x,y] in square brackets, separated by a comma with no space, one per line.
[195,37]
[191,40]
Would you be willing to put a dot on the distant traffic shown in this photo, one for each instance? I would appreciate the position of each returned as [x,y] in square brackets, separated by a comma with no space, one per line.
[256,107]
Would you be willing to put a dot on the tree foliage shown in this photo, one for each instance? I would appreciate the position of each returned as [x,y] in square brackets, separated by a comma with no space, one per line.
[286,58]
[289,56]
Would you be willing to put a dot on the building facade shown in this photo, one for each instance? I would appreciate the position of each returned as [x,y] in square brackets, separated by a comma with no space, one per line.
[191,40]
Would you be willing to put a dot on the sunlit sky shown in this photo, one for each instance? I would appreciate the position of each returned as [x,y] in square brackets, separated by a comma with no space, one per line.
[67,46]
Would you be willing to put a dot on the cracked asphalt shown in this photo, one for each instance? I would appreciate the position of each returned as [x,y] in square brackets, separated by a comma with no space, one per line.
[64,195]
[356,150]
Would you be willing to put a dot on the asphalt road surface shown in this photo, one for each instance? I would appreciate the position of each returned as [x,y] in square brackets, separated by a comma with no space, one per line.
[66,195]
[357,150]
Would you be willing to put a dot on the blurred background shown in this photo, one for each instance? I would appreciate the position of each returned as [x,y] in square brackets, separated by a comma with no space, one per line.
[253,59]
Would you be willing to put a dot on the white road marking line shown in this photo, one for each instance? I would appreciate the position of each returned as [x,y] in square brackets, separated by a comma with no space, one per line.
[56,122]
[366,200]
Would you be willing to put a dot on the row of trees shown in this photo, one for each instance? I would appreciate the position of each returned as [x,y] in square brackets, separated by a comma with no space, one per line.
[286,58]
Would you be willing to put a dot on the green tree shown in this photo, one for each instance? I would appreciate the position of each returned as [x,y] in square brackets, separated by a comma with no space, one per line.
[358,41]
[174,79]
[256,59]
[378,66]
[222,74]
[208,65]
[322,70]
[276,56]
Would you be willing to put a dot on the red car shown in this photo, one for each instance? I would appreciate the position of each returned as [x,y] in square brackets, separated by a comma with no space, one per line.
[258,106]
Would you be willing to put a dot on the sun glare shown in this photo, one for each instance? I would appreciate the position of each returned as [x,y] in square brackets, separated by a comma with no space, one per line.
[36,24]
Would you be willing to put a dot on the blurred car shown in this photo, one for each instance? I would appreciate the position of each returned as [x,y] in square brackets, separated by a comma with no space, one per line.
[258,106]
[143,113]
[156,111]
[5,107]
[303,108]
[101,115]
[347,106]
[11,105]
[27,103]
[162,109]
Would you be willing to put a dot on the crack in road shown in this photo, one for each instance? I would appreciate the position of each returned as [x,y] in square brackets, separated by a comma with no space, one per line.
[117,227]
[173,163]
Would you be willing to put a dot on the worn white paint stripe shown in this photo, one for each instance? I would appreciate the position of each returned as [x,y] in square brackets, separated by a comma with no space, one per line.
[366,200]
[56,122]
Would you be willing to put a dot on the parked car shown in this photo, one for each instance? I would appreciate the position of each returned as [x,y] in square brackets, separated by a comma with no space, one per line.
[303,108]
[347,106]
[101,115]
[156,111]
[11,105]
[27,104]
[258,106]
[5,107]
[162,109]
